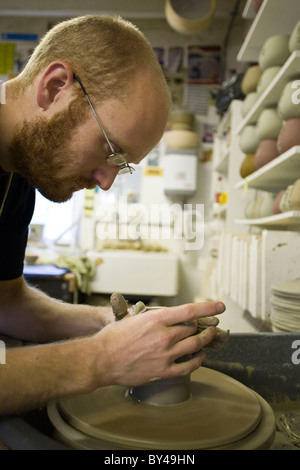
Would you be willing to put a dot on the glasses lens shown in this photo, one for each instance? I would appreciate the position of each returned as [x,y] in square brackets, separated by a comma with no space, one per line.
[116,159]
[125,169]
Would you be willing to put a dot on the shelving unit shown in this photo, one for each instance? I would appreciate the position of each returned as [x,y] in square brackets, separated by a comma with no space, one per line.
[286,219]
[275,175]
[271,95]
[273,17]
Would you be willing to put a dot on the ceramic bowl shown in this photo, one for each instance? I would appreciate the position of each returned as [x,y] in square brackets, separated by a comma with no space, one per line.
[181,139]
[289,135]
[294,42]
[249,140]
[251,79]
[275,51]
[248,104]
[288,105]
[247,166]
[268,124]
[266,78]
[266,151]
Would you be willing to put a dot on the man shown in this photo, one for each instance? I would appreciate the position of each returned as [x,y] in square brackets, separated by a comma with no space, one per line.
[91,100]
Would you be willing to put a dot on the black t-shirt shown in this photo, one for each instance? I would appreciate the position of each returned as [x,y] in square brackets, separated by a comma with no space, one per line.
[14,222]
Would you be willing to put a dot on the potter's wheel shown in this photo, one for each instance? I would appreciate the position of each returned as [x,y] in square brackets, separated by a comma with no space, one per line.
[218,413]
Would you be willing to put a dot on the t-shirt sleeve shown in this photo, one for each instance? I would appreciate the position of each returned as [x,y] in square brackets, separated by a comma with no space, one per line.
[14,222]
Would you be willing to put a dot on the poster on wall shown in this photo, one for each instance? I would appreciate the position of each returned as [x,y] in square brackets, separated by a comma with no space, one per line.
[203,75]
[15,49]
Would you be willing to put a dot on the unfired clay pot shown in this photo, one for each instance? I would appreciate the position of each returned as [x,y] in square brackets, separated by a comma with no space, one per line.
[275,51]
[290,200]
[251,79]
[268,124]
[248,104]
[288,105]
[276,206]
[266,151]
[294,42]
[249,140]
[289,135]
[266,78]
[181,139]
[247,166]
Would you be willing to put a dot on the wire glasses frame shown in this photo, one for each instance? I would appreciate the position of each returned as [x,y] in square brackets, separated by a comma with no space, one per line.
[114,158]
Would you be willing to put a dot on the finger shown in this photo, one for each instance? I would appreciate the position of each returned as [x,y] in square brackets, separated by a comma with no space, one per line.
[193,344]
[187,367]
[184,313]
[221,337]
[207,321]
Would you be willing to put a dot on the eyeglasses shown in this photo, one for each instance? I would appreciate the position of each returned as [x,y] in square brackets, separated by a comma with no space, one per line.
[114,158]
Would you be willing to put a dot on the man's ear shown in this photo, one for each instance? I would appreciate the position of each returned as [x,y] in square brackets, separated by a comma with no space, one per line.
[55,85]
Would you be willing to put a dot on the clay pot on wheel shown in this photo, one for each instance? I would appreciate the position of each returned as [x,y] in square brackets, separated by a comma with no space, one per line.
[266,151]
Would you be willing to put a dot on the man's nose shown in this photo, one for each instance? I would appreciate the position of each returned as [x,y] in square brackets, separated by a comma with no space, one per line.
[105,177]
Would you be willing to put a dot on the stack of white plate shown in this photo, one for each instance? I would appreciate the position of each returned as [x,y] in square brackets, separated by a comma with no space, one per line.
[285,311]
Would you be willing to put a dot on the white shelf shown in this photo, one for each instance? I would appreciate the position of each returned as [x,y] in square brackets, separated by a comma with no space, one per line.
[222,165]
[275,175]
[285,219]
[248,12]
[271,96]
[273,17]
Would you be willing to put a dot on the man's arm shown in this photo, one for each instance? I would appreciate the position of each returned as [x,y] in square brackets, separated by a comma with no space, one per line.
[128,352]
[30,315]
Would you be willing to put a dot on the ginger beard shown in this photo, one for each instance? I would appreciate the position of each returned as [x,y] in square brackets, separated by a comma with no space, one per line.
[40,152]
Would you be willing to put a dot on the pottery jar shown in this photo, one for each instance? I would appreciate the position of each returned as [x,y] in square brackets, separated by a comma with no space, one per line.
[268,124]
[288,105]
[266,78]
[289,135]
[294,42]
[266,151]
[248,104]
[251,79]
[275,51]
[249,140]
[247,166]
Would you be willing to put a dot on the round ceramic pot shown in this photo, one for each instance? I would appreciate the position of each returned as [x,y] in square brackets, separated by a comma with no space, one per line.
[248,104]
[249,209]
[290,200]
[289,135]
[181,139]
[275,51]
[249,140]
[182,120]
[266,78]
[266,151]
[276,206]
[268,124]
[247,166]
[288,105]
[251,79]
[264,205]
[294,42]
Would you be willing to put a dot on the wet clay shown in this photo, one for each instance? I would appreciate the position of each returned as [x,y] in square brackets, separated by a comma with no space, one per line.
[205,410]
